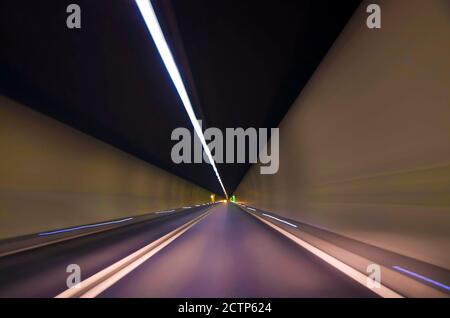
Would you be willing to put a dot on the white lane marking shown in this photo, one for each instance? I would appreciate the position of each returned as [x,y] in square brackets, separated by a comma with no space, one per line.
[104,285]
[97,283]
[251,209]
[383,291]
[283,221]
[168,211]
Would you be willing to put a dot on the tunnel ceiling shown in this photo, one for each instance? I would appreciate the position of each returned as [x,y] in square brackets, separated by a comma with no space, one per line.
[243,62]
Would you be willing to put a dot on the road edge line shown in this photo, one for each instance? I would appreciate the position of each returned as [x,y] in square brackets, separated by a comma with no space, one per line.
[90,283]
[351,272]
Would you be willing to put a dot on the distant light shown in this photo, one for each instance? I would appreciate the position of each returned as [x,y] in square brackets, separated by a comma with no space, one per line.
[151,20]
[429,280]
[283,221]
[84,227]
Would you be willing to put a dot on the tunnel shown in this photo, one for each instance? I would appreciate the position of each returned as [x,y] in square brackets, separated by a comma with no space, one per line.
[205,149]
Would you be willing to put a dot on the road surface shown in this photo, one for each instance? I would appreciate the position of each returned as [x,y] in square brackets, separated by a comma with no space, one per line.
[229,253]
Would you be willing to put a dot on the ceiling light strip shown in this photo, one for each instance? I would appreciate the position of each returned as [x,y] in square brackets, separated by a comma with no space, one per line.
[149,15]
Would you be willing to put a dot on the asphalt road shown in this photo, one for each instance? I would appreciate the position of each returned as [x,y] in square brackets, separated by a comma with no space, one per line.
[231,254]
[42,272]
[227,254]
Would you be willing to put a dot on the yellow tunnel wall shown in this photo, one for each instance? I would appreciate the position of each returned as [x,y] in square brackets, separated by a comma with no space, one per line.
[53,176]
[365,148]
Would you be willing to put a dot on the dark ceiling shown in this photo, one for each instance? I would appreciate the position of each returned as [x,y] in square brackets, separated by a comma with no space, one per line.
[243,62]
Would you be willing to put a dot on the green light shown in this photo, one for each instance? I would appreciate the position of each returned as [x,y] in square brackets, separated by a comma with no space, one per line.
[233,199]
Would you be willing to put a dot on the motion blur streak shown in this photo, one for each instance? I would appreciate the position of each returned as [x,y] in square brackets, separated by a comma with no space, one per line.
[153,26]
[161,212]
[85,227]
[429,280]
[283,221]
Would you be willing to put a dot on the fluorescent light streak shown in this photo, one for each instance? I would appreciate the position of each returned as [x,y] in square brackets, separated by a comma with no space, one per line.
[149,15]
[84,227]
[428,280]
[187,207]
[283,221]
[159,212]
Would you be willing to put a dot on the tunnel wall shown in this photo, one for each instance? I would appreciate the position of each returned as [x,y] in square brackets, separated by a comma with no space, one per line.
[53,176]
[365,148]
